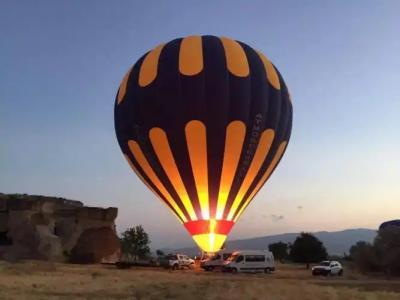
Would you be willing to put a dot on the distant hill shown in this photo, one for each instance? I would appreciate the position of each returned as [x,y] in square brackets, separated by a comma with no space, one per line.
[336,242]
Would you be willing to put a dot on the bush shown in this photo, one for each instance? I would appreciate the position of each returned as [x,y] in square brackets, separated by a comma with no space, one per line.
[382,256]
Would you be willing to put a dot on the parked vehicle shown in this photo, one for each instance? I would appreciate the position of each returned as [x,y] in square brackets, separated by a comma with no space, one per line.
[128,262]
[177,261]
[326,268]
[216,261]
[250,261]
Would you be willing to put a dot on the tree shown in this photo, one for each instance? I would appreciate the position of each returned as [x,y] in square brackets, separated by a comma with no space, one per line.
[363,255]
[358,248]
[383,255]
[160,253]
[307,249]
[387,249]
[280,250]
[135,243]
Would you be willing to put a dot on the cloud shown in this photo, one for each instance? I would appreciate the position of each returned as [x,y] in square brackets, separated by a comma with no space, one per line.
[276,218]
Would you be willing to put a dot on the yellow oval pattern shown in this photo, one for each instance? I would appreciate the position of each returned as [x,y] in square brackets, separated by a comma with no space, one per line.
[160,143]
[263,179]
[148,69]
[236,59]
[196,140]
[272,75]
[122,87]
[149,186]
[235,133]
[148,170]
[191,56]
[259,156]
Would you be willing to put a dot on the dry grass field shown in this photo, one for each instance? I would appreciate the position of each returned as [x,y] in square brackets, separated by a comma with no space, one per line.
[41,280]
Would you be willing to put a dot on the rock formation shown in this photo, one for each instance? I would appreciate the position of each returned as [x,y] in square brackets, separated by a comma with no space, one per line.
[56,229]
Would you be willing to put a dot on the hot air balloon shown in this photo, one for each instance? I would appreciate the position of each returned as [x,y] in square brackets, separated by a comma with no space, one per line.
[203,121]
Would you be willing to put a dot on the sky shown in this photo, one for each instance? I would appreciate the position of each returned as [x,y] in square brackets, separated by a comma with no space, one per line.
[61,63]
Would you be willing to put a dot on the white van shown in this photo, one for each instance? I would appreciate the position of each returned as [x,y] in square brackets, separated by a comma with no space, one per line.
[250,261]
[215,261]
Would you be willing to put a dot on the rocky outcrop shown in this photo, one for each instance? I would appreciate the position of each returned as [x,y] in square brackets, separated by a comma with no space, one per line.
[57,229]
[94,244]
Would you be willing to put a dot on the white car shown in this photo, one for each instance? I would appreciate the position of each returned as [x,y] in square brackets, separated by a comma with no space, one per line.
[177,261]
[250,261]
[216,261]
[327,267]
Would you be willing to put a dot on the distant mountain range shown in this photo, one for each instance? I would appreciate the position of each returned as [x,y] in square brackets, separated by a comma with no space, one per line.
[336,242]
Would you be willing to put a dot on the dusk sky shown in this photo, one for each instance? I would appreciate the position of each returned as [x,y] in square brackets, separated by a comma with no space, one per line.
[61,63]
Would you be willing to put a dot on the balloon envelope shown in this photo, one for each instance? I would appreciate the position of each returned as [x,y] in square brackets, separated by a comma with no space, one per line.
[204,121]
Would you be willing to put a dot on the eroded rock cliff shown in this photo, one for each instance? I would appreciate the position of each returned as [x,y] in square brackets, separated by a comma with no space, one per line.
[57,229]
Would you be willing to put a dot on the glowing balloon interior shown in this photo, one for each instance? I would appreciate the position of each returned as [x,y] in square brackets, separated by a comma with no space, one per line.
[204,121]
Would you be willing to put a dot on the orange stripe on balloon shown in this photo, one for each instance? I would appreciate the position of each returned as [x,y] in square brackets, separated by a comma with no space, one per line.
[148,69]
[122,87]
[272,75]
[259,157]
[236,59]
[191,56]
[148,185]
[264,178]
[235,133]
[148,170]
[197,146]
[161,146]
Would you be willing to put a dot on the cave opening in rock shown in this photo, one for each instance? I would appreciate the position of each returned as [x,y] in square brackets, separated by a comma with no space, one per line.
[5,240]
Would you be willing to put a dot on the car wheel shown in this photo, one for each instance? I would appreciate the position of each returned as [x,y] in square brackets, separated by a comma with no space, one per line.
[267,271]
[327,273]
[234,271]
[175,267]
[340,273]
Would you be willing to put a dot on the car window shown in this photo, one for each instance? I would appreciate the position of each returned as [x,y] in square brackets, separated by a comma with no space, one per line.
[239,258]
[232,257]
[259,258]
[255,258]
[226,256]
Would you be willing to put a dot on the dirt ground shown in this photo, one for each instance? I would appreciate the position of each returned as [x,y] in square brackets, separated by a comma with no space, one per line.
[42,280]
